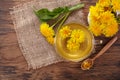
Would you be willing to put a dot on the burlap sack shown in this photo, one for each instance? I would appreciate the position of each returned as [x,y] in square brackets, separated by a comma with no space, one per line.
[36,50]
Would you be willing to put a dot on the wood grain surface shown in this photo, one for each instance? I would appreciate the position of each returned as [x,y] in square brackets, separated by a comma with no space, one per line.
[14,67]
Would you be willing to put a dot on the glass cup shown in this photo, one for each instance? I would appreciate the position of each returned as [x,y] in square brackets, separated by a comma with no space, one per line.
[85,48]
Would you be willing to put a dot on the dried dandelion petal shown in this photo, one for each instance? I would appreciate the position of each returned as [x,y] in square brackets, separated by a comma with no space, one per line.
[86,65]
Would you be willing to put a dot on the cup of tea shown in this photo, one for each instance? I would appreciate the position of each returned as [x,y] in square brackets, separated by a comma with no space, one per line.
[72,52]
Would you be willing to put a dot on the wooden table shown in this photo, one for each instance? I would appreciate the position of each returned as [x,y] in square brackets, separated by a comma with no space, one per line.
[13,65]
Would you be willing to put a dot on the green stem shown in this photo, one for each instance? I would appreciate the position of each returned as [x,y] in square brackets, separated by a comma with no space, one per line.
[75,7]
[66,16]
[34,9]
[80,5]
[58,21]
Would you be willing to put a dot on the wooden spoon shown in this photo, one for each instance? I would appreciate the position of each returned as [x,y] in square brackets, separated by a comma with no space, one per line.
[88,63]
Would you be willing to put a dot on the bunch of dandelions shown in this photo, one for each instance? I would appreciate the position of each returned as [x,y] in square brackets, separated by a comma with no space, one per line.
[74,37]
[103,19]
[48,32]
[60,14]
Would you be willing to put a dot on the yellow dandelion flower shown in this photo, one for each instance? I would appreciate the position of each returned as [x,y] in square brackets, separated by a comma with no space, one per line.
[94,18]
[78,35]
[110,24]
[116,5]
[103,21]
[111,29]
[104,24]
[50,39]
[106,17]
[46,30]
[95,29]
[95,12]
[104,3]
[65,32]
[72,45]
[98,8]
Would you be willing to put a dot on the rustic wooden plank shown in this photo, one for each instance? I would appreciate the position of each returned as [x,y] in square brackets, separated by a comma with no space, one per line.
[13,65]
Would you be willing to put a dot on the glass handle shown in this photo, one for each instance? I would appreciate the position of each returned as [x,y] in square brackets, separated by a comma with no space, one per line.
[98,42]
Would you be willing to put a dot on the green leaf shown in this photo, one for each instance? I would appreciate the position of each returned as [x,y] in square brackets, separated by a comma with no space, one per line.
[43,15]
[46,15]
